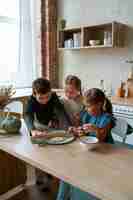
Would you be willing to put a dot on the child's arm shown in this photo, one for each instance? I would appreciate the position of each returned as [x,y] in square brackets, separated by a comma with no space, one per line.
[29,122]
[101,133]
[33,132]
[29,115]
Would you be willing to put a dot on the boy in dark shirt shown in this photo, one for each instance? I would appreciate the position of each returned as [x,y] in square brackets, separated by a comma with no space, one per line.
[44,110]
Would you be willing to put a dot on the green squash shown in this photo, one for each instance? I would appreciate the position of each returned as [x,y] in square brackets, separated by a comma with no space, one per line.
[10,124]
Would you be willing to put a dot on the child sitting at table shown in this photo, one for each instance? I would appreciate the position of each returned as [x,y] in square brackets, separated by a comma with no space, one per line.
[73,99]
[73,103]
[44,110]
[97,117]
[97,120]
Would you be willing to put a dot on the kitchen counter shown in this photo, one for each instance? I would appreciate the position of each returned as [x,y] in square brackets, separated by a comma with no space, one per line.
[105,171]
[122,101]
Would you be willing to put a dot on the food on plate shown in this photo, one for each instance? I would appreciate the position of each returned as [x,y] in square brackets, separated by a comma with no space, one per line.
[58,132]
[57,139]
[38,134]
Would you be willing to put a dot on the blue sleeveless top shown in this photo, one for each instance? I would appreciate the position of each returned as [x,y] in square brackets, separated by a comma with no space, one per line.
[99,121]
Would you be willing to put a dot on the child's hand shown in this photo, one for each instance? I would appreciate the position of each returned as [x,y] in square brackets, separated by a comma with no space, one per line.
[72,130]
[53,124]
[36,133]
[89,127]
[76,131]
[76,119]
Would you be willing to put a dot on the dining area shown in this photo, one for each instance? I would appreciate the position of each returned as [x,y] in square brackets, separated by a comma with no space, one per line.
[66,100]
[104,170]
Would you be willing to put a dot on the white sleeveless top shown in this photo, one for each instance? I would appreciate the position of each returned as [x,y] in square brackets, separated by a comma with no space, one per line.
[72,106]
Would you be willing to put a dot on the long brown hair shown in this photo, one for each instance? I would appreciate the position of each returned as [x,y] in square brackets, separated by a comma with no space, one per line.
[95,95]
[74,80]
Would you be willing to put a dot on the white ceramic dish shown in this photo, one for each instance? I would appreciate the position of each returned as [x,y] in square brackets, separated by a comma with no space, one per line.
[91,142]
[94,42]
[89,139]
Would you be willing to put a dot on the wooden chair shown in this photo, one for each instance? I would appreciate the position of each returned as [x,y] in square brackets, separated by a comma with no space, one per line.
[120,129]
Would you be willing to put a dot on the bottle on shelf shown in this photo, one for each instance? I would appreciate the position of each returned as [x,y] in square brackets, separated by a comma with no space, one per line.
[77,39]
[130,74]
[68,43]
[107,38]
[126,90]
[109,90]
[102,85]
[120,92]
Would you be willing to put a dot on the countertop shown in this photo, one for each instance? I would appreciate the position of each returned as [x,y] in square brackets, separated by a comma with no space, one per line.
[122,101]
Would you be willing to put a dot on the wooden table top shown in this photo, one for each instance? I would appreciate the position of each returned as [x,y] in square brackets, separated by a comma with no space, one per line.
[106,172]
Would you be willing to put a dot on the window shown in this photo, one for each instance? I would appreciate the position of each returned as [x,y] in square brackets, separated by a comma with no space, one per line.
[17,54]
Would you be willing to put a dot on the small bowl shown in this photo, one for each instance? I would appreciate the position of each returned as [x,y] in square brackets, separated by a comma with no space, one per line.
[94,42]
[91,141]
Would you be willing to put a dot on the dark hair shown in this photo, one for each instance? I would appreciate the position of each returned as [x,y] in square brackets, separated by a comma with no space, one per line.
[95,95]
[41,86]
[74,80]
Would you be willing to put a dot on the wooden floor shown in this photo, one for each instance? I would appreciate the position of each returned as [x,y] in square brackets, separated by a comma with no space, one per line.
[34,193]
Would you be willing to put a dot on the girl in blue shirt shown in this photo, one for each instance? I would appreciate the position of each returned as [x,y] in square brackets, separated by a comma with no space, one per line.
[96,119]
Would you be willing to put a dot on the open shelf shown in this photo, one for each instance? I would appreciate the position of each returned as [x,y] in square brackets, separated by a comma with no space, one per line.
[109,35]
[66,38]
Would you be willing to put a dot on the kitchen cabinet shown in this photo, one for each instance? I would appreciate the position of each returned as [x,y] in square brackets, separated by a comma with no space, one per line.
[12,172]
[109,35]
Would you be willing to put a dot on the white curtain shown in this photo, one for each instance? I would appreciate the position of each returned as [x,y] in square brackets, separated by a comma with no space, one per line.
[17,40]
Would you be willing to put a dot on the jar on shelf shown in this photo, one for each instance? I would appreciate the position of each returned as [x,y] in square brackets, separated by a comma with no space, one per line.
[107,38]
[101,85]
[120,92]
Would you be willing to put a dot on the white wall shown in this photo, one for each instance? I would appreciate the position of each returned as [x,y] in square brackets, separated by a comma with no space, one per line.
[91,65]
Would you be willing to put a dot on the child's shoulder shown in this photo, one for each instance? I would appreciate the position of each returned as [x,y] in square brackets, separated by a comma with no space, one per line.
[32,99]
[106,118]
[84,114]
[106,115]
[55,101]
[54,97]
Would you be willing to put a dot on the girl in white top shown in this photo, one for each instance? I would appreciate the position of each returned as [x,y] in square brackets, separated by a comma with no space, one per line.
[73,100]
[73,103]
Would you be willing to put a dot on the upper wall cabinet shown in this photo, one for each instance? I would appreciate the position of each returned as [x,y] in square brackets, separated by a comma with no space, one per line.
[97,36]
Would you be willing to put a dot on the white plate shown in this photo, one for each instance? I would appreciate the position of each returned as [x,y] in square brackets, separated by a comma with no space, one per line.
[54,137]
[57,132]
[89,139]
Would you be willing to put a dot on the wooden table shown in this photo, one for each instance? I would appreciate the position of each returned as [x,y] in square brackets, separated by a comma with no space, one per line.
[106,172]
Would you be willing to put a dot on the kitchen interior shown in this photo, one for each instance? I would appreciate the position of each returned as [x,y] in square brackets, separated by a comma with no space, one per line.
[102,63]
[109,68]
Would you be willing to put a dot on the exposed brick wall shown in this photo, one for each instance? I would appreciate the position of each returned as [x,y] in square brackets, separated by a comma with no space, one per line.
[49,41]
